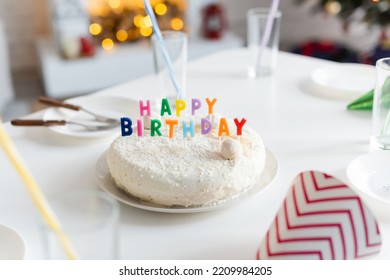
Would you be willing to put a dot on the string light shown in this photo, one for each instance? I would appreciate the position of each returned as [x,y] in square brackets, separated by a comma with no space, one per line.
[177,24]
[161,9]
[122,35]
[108,44]
[95,29]
[146,32]
[114,4]
[333,7]
[126,20]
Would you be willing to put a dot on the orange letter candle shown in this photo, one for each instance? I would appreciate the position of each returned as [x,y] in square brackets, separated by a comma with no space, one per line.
[223,127]
[171,124]
[211,105]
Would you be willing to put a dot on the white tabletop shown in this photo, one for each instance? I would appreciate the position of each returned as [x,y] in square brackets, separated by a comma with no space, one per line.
[304,130]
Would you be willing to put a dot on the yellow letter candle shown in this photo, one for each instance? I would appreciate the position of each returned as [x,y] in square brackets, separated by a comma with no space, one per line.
[180,106]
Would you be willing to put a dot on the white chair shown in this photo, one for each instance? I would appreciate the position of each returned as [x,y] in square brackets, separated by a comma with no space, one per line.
[6,89]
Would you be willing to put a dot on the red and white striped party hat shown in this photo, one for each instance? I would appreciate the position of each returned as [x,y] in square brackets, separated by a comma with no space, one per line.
[321,218]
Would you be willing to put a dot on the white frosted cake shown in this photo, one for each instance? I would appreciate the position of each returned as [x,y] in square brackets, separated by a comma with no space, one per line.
[197,171]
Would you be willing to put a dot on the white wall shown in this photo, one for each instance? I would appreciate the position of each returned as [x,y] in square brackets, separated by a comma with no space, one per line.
[25,19]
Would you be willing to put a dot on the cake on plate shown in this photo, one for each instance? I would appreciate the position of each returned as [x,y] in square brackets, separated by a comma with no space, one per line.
[191,171]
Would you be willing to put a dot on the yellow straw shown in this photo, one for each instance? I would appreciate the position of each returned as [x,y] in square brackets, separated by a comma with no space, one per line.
[35,193]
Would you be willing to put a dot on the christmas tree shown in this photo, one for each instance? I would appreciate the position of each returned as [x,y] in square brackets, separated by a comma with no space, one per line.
[374,12]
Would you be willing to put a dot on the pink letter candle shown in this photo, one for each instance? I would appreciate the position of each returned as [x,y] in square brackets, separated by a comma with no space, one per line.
[143,108]
[140,128]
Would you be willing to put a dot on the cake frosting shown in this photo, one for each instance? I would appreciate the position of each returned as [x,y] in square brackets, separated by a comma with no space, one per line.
[192,171]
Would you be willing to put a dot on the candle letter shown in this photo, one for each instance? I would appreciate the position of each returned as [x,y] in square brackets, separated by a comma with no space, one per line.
[190,129]
[140,128]
[126,126]
[196,103]
[171,124]
[205,126]
[165,108]
[180,106]
[223,127]
[211,105]
[155,126]
[239,125]
[143,108]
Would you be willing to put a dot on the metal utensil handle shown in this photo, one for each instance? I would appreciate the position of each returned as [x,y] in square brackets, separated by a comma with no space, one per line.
[37,122]
[58,103]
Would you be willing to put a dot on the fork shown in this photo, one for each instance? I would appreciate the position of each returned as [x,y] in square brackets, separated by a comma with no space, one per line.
[35,122]
[59,103]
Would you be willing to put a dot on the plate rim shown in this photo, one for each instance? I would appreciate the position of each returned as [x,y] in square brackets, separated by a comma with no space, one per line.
[349,170]
[101,172]
[336,91]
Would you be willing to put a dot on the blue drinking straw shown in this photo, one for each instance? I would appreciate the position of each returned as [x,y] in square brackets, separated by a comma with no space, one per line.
[167,59]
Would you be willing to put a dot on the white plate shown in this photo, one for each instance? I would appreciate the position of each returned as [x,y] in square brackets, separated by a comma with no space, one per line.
[111,106]
[370,175]
[108,185]
[344,80]
[11,244]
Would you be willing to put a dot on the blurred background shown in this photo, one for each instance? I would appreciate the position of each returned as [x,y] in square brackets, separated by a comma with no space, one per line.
[65,48]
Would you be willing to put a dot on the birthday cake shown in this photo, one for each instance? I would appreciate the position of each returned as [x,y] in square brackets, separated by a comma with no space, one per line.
[187,162]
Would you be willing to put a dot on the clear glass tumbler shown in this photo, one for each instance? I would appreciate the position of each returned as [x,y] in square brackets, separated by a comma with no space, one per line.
[176,43]
[262,60]
[90,221]
[380,139]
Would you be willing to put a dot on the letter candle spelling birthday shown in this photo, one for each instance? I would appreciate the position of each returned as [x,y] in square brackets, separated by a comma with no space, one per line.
[167,59]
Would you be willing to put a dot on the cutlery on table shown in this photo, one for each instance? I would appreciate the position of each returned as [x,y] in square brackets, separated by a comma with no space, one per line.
[87,126]
[59,103]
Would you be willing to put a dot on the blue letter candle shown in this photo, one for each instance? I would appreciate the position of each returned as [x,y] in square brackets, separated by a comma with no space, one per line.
[126,126]
[188,129]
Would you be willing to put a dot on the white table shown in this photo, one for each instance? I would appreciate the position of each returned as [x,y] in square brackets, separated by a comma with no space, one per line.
[303,130]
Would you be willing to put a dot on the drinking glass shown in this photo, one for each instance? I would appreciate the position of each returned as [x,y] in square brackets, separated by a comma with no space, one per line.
[262,60]
[176,43]
[380,139]
[90,221]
